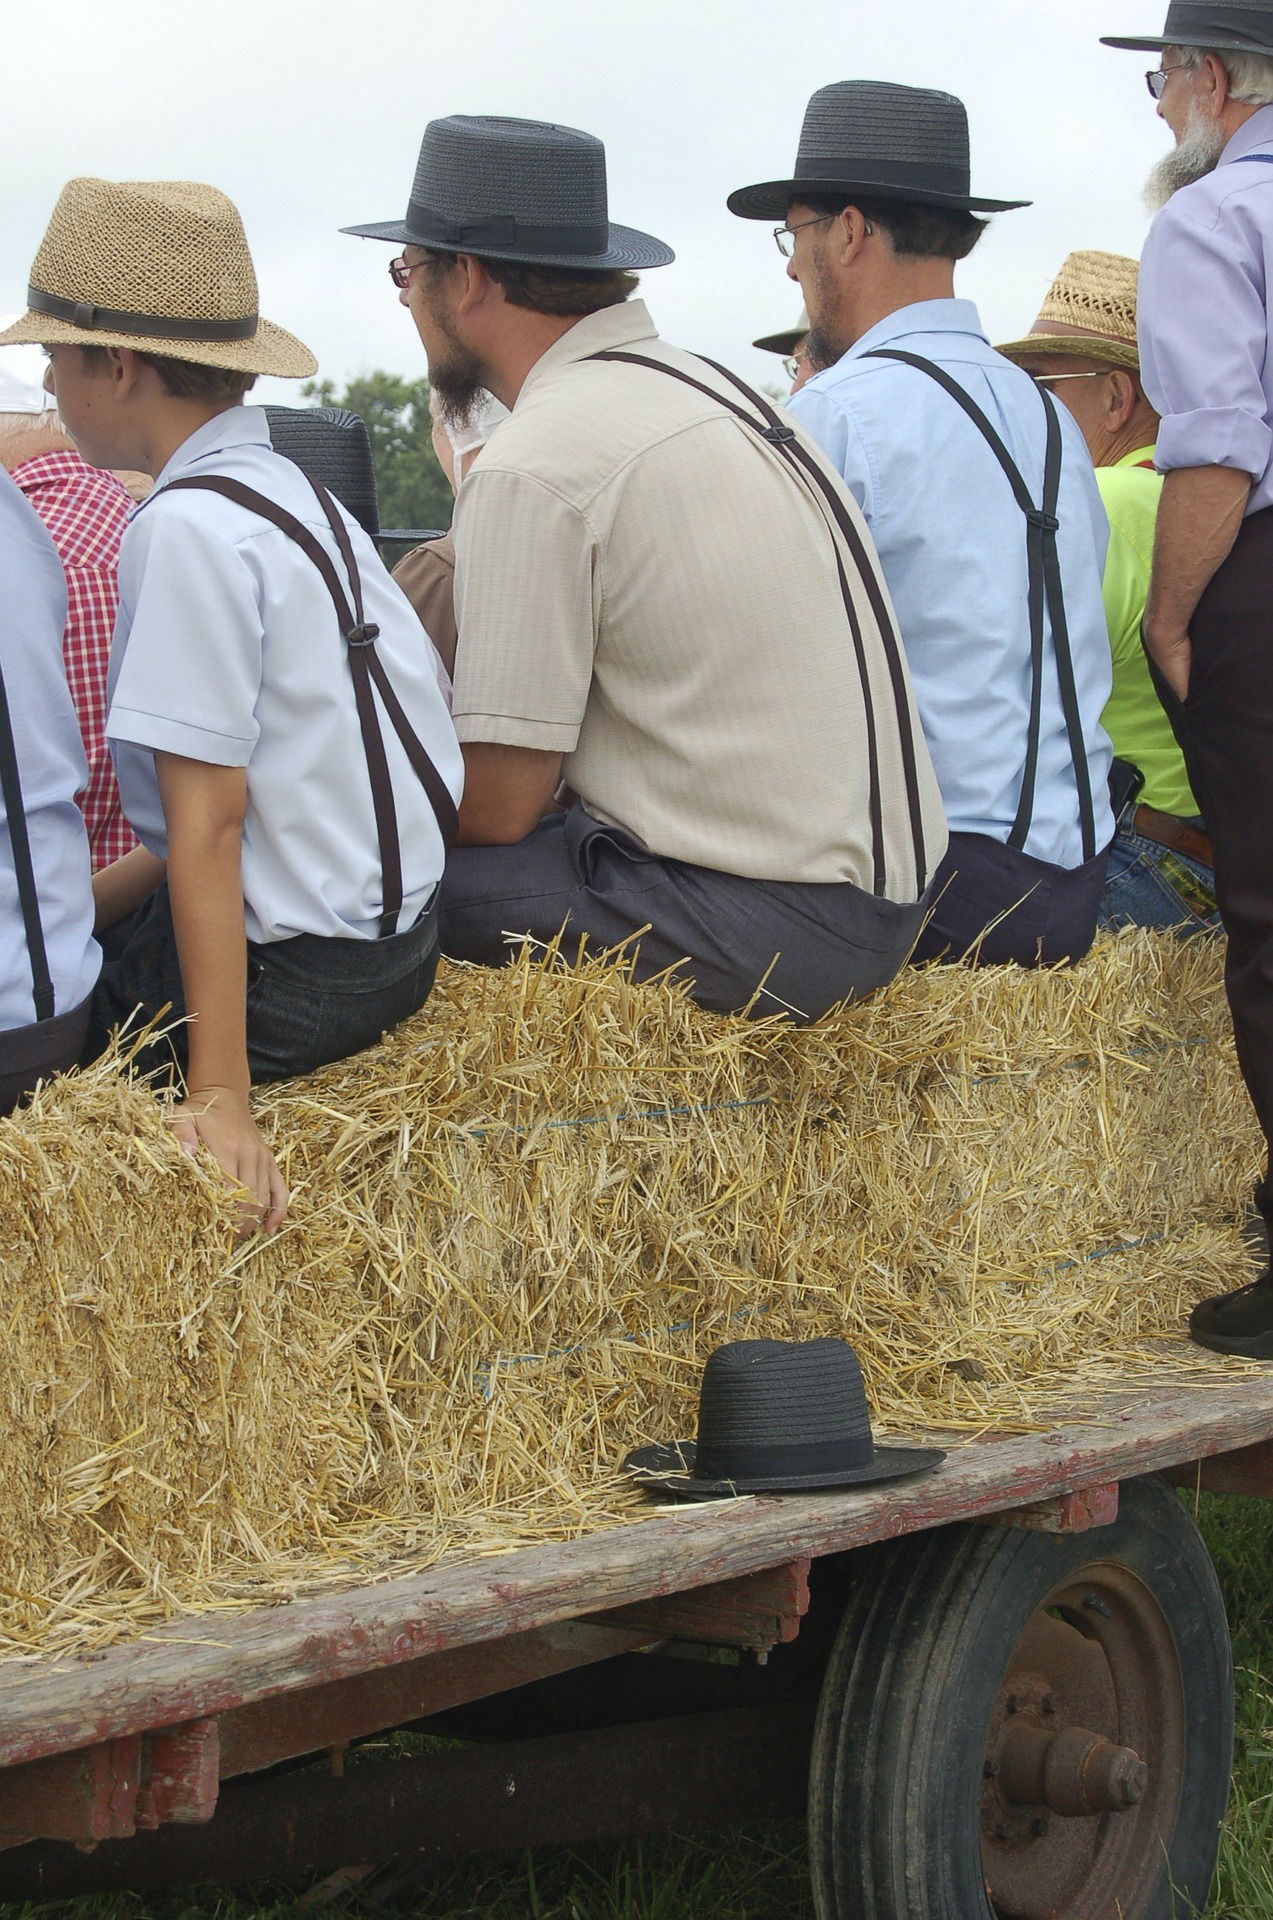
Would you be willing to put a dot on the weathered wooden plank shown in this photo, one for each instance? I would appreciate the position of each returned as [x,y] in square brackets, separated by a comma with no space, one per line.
[759,1611]
[202,1666]
[1074,1512]
[1247,1470]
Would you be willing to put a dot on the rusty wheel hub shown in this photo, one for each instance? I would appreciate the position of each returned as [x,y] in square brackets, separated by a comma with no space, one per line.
[1084,1756]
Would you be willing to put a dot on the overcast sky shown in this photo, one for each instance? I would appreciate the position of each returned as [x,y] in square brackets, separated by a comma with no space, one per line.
[309,115]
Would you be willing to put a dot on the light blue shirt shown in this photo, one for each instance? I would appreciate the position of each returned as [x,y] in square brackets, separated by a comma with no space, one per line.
[952,541]
[227,650]
[1205,356]
[51,768]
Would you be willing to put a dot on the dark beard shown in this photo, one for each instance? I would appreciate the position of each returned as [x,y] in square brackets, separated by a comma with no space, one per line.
[459,381]
[820,350]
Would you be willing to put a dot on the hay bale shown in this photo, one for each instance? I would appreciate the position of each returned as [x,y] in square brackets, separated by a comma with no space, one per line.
[521,1223]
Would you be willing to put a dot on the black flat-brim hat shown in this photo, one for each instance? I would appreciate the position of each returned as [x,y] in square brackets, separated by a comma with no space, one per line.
[778,1416]
[332,446]
[882,141]
[517,190]
[1234,26]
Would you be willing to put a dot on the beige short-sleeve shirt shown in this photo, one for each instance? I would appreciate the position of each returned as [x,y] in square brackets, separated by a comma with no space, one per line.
[644,586]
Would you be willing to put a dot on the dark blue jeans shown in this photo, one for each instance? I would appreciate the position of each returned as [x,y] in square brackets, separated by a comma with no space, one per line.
[309,1001]
[1148,885]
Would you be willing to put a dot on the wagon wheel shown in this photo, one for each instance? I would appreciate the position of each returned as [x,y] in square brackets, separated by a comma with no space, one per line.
[1016,1725]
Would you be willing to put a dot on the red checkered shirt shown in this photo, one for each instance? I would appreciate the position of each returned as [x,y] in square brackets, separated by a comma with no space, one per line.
[86,511]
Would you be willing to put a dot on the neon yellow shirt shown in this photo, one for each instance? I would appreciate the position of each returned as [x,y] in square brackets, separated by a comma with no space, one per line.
[1133,716]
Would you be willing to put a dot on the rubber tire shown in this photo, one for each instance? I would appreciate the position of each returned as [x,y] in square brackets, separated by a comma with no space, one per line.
[896,1771]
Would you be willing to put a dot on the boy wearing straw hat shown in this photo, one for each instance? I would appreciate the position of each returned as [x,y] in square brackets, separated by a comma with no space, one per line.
[1083,349]
[280,735]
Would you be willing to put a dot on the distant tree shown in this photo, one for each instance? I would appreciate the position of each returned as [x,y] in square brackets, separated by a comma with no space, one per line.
[412,488]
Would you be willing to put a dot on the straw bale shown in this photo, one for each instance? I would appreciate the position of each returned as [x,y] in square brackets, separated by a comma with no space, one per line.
[522,1221]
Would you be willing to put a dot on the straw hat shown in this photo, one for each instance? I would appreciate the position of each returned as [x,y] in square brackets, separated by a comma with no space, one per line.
[1090,312]
[159,265]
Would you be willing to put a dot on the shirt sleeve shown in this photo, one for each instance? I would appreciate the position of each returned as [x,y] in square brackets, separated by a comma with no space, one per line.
[190,669]
[1204,338]
[527,602]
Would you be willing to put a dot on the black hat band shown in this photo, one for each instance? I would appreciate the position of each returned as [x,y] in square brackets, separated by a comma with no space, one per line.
[929,176]
[82,313]
[764,1462]
[429,228]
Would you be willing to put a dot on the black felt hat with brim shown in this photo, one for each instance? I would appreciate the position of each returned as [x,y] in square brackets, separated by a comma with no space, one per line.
[881,141]
[1233,26]
[527,191]
[332,446]
[778,1416]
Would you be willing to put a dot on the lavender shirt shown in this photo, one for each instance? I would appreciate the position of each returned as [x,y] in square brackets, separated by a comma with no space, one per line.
[1206,359]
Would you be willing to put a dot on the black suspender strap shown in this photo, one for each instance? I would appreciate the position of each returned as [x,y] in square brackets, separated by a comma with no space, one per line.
[23,870]
[367,670]
[1045,593]
[772,428]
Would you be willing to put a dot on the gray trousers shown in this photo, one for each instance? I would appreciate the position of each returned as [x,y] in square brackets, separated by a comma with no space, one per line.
[811,946]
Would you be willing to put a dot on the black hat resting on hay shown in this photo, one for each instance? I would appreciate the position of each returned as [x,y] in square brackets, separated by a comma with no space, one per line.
[518,190]
[776,1416]
[1233,26]
[882,141]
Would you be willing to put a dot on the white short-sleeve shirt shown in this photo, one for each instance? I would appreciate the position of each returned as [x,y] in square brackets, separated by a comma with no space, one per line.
[51,769]
[228,650]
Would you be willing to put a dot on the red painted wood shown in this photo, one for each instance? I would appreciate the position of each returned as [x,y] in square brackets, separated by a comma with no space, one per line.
[1248,1470]
[1066,1512]
[758,1611]
[85,1796]
[196,1669]
[183,1773]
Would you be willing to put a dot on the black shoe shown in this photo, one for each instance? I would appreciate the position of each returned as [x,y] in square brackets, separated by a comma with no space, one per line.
[1239,1322]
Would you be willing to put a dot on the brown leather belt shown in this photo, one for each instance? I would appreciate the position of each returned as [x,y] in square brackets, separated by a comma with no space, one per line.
[1171,831]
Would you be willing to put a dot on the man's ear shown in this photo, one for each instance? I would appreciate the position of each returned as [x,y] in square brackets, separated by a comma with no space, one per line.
[125,369]
[1213,85]
[852,229]
[474,285]
[1124,396]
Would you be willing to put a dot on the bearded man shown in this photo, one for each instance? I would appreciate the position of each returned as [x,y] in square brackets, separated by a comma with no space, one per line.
[1207,370]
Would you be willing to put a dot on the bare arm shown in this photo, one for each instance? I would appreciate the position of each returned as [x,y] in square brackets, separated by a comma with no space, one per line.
[1198,521]
[204,808]
[121,887]
[507,791]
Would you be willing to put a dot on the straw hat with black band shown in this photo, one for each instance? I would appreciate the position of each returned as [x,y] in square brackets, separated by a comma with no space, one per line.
[1235,26]
[1089,313]
[161,266]
[880,141]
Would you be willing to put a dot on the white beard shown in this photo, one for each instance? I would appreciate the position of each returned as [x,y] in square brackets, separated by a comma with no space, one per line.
[1195,156]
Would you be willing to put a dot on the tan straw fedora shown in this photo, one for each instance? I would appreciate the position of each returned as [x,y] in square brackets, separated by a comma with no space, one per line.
[159,265]
[1090,312]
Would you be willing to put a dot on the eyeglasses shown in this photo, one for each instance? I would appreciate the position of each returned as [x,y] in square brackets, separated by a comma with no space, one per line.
[401,270]
[785,237]
[791,366]
[1156,79]
[1049,380]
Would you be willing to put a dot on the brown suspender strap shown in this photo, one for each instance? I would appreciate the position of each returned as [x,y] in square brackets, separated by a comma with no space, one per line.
[772,428]
[366,669]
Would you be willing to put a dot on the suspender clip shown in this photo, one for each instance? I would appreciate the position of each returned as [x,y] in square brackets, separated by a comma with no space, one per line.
[1048,521]
[363,636]
[778,435]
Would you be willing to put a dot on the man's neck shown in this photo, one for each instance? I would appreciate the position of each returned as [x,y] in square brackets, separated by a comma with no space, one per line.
[1141,431]
[1236,114]
[520,346]
[899,283]
[15,448]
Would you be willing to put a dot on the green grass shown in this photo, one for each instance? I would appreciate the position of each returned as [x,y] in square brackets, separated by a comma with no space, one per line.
[760,1873]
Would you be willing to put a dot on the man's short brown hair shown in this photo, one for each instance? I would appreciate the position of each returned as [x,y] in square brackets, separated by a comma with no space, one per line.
[565,292]
[915,231]
[186,379]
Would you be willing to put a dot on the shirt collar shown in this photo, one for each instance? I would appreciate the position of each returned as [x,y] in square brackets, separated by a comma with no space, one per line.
[620,326]
[59,463]
[236,427]
[922,316]
[1138,457]
[1252,136]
